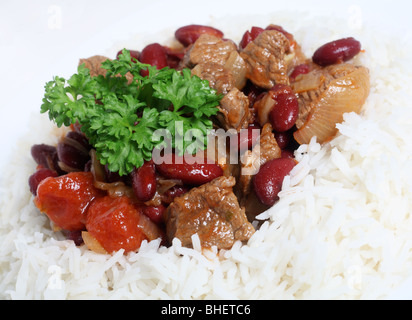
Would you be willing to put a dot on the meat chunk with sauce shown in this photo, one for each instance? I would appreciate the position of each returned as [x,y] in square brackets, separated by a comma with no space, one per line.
[212,212]
[219,78]
[217,61]
[223,77]
[234,110]
[266,59]
[94,64]
[207,58]
[208,48]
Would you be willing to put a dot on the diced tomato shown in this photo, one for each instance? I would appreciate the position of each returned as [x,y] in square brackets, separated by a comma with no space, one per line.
[65,199]
[117,223]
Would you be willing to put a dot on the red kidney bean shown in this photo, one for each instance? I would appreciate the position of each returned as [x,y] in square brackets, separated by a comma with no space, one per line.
[155,55]
[44,155]
[114,176]
[174,56]
[155,213]
[72,153]
[75,236]
[252,92]
[175,167]
[80,138]
[287,154]
[133,53]
[285,112]
[249,36]
[39,176]
[188,35]
[144,181]
[283,138]
[268,181]
[298,70]
[170,194]
[337,51]
[246,140]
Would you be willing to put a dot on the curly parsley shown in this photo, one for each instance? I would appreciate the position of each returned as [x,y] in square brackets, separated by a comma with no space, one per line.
[119,116]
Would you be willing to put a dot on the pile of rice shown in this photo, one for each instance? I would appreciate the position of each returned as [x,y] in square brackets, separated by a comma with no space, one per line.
[341,230]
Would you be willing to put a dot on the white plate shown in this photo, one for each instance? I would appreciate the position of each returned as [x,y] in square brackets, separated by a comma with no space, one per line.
[46,38]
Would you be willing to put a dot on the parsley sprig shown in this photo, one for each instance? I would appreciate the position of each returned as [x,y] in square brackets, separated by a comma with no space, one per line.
[120,116]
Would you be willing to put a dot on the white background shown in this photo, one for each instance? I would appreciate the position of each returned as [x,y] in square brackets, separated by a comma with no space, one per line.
[41,39]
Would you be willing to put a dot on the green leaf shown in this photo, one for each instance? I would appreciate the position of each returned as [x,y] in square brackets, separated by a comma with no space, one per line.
[120,115]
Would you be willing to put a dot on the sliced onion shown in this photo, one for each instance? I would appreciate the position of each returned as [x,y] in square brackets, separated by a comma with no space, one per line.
[345,94]
[150,230]
[97,168]
[114,189]
[75,144]
[237,66]
[92,243]
[263,107]
[308,82]
[165,184]
[67,168]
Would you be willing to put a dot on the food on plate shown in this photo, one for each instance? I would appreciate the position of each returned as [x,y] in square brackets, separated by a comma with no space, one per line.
[114,180]
[325,95]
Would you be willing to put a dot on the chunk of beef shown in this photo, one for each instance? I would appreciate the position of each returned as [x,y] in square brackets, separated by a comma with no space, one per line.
[94,64]
[234,110]
[217,61]
[213,212]
[219,78]
[209,48]
[296,56]
[265,57]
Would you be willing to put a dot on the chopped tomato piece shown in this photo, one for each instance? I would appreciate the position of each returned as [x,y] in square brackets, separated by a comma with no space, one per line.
[116,223]
[65,199]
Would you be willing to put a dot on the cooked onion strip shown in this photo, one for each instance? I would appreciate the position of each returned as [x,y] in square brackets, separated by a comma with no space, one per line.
[92,243]
[75,144]
[97,168]
[263,107]
[345,94]
[308,82]
[67,168]
[114,189]
[165,184]
[149,228]
[237,66]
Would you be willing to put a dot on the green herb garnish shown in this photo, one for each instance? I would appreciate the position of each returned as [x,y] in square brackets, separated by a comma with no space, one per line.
[119,117]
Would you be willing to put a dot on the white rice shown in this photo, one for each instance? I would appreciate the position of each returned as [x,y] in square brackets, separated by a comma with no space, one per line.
[341,230]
